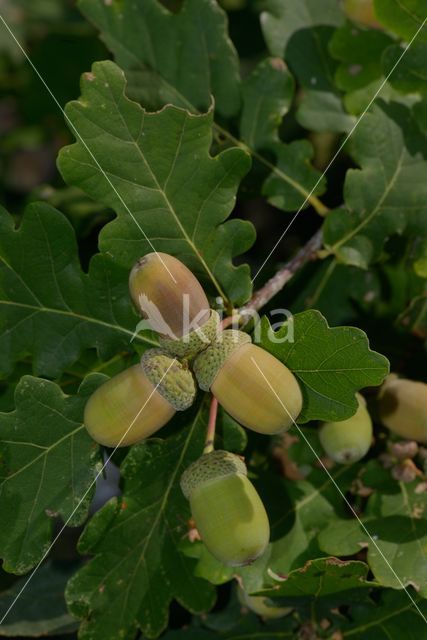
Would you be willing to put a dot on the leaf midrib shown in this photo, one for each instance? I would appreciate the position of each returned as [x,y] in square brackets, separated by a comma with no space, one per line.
[273,168]
[46,451]
[73,314]
[365,221]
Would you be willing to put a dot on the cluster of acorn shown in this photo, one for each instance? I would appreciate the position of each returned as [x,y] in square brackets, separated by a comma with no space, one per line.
[401,407]
[253,387]
[251,384]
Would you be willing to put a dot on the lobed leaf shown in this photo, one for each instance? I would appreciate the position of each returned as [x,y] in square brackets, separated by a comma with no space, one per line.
[300,31]
[157,48]
[49,308]
[403,17]
[135,33]
[281,19]
[397,525]
[267,96]
[40,609]
[138,567]
[336,581]
[359,52]
[331,363]
[391,618]
[295,178]
[155,171]
[47,467]
[407,74]
[388,194]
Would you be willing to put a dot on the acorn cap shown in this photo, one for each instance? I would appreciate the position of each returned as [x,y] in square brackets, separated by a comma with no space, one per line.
[172,380]
[165,292]
[195,341]
[210,466]
[209,362]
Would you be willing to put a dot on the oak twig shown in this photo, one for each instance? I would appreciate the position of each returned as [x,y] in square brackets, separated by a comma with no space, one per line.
[277,282]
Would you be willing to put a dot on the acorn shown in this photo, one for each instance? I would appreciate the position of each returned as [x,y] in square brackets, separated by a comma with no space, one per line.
[227,510]
[262,606]
[349,440]
[139,401]
[253,386]
[402,406]
[172,300]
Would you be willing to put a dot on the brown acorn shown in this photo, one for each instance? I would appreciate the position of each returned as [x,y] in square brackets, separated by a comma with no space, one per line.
[139,401]
[402,406]
[228,511]
[253,386]
[171,298]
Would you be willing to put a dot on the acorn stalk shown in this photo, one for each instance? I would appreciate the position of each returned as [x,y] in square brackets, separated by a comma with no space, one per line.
[253,386]
[348,441]
[140,400]
[228,511]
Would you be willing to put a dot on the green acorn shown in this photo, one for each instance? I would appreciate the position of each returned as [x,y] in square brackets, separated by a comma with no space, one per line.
[228,511]
[139,401]
[349,440]
[172,300]
[253,386]
[402,406]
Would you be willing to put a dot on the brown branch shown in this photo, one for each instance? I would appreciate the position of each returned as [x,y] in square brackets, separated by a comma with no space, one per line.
[277,282]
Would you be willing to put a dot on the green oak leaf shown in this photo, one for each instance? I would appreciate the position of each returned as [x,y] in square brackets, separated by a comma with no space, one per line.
[40,609]
[331,363]
[323,111]
[281,19]
[157,48]
[207,567]
[267,95]
[138,567]
[391,617]
[397,522]
[359,52]
[168,192]
[330,579]
[408,74]
[149,42]
[294,162]
[297,511]
[300,31]
[47,468]
[403,17]
[49,308]
[388,194]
